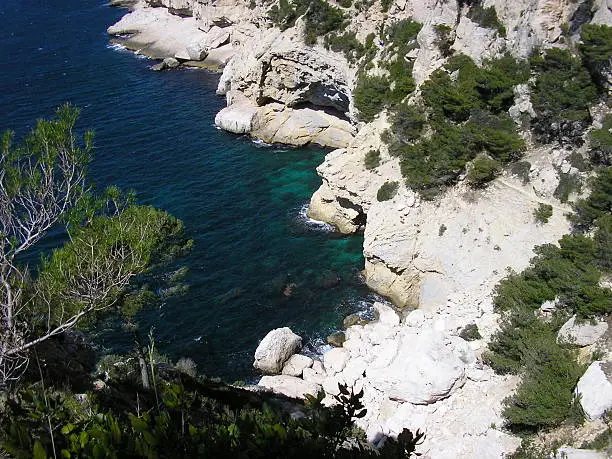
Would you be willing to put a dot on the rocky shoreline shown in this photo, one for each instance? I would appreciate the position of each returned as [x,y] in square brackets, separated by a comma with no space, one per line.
[444,257]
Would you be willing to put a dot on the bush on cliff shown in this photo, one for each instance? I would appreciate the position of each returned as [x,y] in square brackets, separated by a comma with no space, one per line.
[596,49]
[184,416]
[561,96]
[375,93]
[526,344]
[601,143]
[320,17]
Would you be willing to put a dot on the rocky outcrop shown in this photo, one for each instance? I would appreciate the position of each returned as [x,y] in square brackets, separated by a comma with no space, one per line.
[275,349]
[301,93]
[595,390]
[416,373]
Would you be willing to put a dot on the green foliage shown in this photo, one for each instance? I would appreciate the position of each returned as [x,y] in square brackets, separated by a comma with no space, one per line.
[194,418]
[435,163]
[490,87]
[596,49]
[345,3]
[561,96]
[543,213]
[408,122]
[544,397]
[88,271]
[603,242]
[601,142]
[567,272]
[568,183]
[527,345]
[321,17]
[599,202]
[385,5]
[470,332]
[387,191]
[443,39]
[372,159]
[486,17]
[521,169]
[374,93]
[482,171]
[346,43]
[371,95]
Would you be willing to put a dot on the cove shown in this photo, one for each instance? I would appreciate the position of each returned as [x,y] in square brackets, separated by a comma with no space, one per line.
[242,203]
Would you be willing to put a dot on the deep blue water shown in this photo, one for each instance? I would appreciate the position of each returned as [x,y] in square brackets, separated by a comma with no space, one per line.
[240,202]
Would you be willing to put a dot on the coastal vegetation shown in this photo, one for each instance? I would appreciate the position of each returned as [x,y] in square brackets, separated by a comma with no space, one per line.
[393,82]
[320,17]
[567,275]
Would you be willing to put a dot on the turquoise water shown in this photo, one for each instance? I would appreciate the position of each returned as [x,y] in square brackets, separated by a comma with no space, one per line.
[241,203]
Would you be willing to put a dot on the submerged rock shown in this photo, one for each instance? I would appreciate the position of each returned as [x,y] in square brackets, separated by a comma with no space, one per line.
[275,349]
[336,339]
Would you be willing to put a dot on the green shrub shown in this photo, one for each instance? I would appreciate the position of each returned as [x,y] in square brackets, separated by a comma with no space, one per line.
[596,49]
[345,3]
[407,122]
[543,213]
[370,95]
[521,169]
[545,396]
[385,5]
[346,43]
[387,191]
[470,332]
[568,184]
[482,171]
[561,96]
[372,159]
[495,82]
[321,17]
[603,242]
[454,100]
[486,17]
[435,163]
[598,203]
[568,272]
[443,39]
[601,143]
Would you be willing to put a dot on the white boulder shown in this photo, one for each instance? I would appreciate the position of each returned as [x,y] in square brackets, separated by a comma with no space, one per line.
[335,360]
[237,118]
[386,315]
[296,365]
[424,370]
[274,350]
[583,334]
[595,389]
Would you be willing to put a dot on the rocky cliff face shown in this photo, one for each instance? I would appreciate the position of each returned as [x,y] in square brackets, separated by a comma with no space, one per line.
[443,256]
